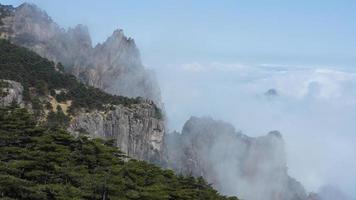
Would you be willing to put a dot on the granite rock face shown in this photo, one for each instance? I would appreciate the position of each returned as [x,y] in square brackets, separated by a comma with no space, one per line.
[11,92]
[113,66]
[135,130]
[252,168]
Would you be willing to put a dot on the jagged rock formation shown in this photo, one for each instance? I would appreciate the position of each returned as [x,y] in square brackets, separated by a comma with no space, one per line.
[58,99]
[253,168]
[114,66]
[10,92]
[135,130]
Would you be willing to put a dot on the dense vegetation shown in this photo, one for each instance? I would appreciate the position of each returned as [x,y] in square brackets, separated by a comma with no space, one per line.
[41,163]
[40,76]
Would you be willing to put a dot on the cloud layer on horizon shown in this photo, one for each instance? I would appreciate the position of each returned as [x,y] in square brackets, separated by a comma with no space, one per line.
[314,110]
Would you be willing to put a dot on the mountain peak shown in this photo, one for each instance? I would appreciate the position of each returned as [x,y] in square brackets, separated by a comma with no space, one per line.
[114,65]
[33,10]
[118,32]
[276,134]
[118,35]
[28,5]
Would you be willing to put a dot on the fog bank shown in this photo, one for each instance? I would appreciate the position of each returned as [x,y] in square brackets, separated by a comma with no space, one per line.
[314,109]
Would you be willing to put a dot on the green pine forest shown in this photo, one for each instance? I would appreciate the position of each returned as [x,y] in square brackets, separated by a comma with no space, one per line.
[44,161]
[40,76]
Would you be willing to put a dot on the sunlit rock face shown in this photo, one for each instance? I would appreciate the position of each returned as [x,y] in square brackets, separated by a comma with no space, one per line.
[252,168]
[114,66]
[135,130]
[10,93]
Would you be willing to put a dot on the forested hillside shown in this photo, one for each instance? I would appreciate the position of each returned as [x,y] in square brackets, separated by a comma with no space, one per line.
[41,163]
[40,76]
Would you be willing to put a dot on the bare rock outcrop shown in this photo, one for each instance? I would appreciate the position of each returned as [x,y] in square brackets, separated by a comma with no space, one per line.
[10,92]
[135,130]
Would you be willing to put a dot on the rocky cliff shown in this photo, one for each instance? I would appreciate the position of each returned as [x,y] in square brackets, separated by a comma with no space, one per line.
[135,130]
[253,168]
[114,66]
[55,97]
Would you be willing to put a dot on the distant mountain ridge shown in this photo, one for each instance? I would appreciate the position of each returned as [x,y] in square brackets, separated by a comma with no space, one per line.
[56,98]
[113,66]
[253,168]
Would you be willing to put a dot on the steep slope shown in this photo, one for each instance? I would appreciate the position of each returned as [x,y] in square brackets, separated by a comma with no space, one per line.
[57,98]
[37,164]
[113,66]
[252,168]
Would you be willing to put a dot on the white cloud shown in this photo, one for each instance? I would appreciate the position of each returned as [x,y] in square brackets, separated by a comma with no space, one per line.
[193,67]
[196,67]
[315,111]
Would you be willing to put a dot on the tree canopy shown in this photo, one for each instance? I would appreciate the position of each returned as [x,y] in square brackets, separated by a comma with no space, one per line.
[41,163]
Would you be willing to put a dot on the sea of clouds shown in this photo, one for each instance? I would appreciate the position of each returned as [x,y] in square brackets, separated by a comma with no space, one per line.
[314,109]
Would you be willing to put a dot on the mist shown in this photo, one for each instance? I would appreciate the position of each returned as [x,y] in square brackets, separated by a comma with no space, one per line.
[313,108]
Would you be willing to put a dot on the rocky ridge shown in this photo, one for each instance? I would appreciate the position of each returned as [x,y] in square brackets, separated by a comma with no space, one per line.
[253,168]
[58,98]
[113,66]
[135,129]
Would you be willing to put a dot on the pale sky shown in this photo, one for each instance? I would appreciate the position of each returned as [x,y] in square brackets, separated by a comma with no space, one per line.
[179,31]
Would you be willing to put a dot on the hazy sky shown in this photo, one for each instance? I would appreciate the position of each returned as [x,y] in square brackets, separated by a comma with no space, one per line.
[283,31]
[218,59]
